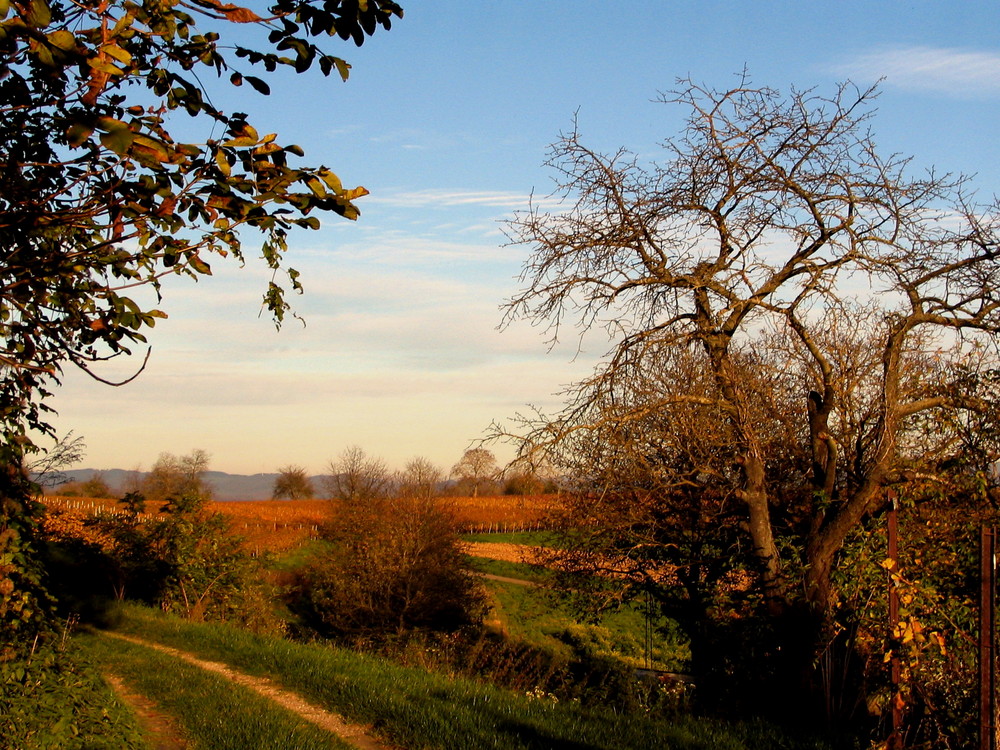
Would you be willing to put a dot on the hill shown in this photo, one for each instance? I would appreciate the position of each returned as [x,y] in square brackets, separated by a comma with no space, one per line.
[224,486]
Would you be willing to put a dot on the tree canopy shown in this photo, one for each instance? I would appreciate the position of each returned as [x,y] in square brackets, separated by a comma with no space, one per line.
[97,195]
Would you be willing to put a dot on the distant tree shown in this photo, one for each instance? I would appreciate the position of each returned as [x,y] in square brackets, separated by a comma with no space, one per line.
[356,477]
[420,478]
[173,477]
[95,487]
[478,467]
[292,483]
[132,483]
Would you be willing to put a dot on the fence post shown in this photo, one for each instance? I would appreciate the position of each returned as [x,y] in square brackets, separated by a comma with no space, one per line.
[896,738]
[987,628]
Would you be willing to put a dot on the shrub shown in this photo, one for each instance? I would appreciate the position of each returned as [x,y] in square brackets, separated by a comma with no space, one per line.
[395,565]
[52,701]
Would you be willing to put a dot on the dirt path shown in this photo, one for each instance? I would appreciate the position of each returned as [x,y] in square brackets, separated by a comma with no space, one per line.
[355,734]
[163,733]
[505,579]
[500,551]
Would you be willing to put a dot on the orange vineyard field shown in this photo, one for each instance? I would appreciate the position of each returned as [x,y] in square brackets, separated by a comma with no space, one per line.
[277,525]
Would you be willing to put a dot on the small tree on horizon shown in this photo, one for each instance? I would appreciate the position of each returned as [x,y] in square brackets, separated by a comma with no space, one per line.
[477,467]
[292,483]
[356,477]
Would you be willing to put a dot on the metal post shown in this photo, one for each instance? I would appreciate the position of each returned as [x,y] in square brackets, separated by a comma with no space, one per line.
[896,738]
[987,629]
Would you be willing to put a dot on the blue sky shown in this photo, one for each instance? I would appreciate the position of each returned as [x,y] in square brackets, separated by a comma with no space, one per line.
[446,120]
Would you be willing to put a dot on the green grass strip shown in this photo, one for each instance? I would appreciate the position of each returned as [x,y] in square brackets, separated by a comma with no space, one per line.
[529,538]
[521,571]
[536,616]
[214,713]
[418,709]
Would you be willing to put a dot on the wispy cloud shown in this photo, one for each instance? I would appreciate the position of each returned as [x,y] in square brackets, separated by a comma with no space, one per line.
[953,71]
[451,198]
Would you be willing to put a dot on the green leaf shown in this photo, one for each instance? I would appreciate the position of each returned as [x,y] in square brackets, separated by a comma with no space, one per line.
[331,180]
[39,15]
[60,39]
[118,141]
[78,133]
[259,85]
[316,186]
[199,265]
[103,66]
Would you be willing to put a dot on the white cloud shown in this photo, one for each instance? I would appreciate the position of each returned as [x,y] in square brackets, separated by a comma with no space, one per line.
[958,72]
[448,198]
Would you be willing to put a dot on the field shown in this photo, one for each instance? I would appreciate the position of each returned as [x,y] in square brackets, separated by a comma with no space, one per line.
[280,525]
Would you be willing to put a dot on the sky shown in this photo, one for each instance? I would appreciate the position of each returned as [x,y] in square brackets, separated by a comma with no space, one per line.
[446,119]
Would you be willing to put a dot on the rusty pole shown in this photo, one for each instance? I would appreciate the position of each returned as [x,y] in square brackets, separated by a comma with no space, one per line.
[987,628]
[896,738]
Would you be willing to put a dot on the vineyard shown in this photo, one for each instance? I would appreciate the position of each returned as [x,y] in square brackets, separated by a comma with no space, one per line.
[279,525]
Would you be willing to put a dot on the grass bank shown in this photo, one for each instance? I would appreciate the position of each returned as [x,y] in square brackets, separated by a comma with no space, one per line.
[414,708]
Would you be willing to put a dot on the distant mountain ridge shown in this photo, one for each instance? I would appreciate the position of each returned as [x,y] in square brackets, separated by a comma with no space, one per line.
[224,486]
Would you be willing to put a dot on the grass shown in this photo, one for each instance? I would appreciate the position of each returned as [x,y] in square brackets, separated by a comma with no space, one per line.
[415,708]
[520,571]
[214,713]
[537,616]
[541,617]
[297,557]
[529,538]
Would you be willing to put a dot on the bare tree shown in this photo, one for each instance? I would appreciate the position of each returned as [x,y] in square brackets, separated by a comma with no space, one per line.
[48,470]
[356,477]
[292,483]
[797,300]
[174,477]
[476,467]
[419,479]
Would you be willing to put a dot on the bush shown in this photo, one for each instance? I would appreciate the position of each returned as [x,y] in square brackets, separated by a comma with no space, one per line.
[395,565]
[185,561]
[52,701]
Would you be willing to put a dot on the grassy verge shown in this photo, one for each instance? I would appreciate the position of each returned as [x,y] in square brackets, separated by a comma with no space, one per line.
[214,713]
[298,556]
[415,708]
[530,538]
[537,616]
[521,571]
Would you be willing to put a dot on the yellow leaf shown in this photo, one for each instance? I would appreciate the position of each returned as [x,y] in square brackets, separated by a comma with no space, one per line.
[358,192]
[113,50]
[103,66]
[223,163]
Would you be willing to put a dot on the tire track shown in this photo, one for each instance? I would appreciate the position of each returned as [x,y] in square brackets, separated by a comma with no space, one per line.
[355,734]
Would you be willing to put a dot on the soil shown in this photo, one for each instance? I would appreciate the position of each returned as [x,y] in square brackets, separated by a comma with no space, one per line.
[500,551]
[160,728]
